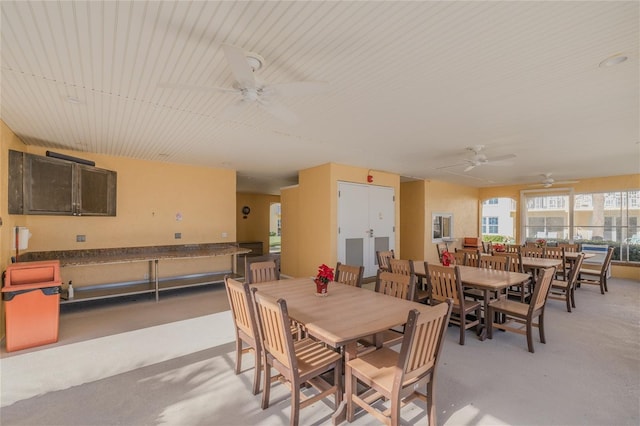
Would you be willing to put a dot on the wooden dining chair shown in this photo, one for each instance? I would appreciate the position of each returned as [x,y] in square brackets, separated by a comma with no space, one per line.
[460,258]
[383,259]
[300,363]
[441,247]
[558,254]
[261,269]
[597,276]
[405,267]
[569,247]
[495,262]
[396,377]
[397,285]
[565,289]
[512,248]
[522,290]
[349,274]
[245,326]
[533,252]
[522,314]
[394,285]
[472,256]
[444,283]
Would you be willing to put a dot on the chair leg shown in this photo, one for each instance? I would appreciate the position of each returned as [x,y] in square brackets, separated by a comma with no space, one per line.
[601,285]
[530,336]
[238,355]
[431,403]
[489,324]
[463,323]
[395,410]
[567,296]
[541,327]
[267,385]
[256,372]
[606,288]
[573,298]
[295,403]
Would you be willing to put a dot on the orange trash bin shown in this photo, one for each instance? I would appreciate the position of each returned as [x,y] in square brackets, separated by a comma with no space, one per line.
[31,295]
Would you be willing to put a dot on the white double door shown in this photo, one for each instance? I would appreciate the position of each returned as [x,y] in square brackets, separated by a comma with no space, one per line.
[366,224]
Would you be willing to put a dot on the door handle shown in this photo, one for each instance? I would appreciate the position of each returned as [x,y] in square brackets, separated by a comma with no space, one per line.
[370,231]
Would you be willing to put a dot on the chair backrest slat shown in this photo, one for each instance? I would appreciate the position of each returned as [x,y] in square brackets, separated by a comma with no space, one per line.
[497,262]
[273,324]
[444,282]
[241,307]
[515,262]
[542,289]
[262,271]
[512,248]
[401,266]
[396,285]
[569,247]
[532,252]
[383,259]
[349,274]
[422,342]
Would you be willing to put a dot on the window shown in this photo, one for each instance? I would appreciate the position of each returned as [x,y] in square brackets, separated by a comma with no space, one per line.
[608,218]
[498,220]
[490,225]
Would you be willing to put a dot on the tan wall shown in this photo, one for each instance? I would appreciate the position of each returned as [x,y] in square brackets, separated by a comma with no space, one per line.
[150,197]
[413,223]
[462,201]
[316,216]
[8,140]
[256,226]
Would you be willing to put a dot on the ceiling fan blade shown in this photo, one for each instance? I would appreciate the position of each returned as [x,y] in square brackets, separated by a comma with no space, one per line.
[469,167]
[279,111]
[296,88]
[196,88]
[240,68]
[234,110]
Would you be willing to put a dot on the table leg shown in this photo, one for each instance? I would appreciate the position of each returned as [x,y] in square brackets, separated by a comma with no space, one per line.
[340,415]
[482,331]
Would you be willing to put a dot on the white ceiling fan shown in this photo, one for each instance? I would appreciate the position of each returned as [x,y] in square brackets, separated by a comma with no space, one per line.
[548,181]
[479,158]
[252,91]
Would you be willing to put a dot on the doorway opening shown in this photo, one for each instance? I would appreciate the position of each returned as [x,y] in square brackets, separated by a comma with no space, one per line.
[275,228]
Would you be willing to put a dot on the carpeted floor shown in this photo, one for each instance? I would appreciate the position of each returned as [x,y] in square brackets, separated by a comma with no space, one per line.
[138,362]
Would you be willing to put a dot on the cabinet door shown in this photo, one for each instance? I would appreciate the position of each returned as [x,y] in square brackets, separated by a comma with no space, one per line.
[97,191]
[48,186]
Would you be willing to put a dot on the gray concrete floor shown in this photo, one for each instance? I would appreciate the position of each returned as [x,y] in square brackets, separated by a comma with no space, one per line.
[588,373]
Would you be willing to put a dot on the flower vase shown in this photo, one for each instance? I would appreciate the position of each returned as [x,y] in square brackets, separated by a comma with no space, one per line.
[321,288]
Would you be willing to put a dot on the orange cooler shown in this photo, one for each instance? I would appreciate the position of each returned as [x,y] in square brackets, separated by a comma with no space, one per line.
[31,295]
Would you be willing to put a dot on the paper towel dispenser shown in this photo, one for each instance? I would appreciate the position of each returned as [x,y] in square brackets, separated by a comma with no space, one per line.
[22,237]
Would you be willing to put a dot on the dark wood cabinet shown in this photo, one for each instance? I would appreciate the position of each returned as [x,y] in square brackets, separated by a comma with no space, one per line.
[48,186]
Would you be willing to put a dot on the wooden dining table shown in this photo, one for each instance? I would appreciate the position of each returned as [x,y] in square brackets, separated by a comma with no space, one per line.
[341,318]
[485,279]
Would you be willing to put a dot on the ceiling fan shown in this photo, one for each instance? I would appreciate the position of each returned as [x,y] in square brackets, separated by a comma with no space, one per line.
[479,158]
[252,91]
[548,181]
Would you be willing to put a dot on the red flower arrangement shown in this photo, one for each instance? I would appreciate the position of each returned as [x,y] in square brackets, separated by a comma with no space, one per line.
[325,274]
[498,247]
[447,258]
[541,242]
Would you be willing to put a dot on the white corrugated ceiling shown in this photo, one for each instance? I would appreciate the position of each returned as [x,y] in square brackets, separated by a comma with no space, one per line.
[411,85]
